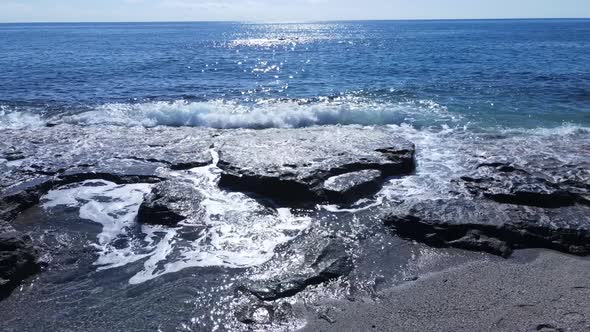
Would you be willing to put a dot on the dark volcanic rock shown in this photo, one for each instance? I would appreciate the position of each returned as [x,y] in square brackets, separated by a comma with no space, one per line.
[18,258]
[304,165]
[349,187]
[101,149]
[292,165]
[13,155]
[170,202]
[325,262]
[22,196]
[66,154]
[492,227]
[263,313]
[508,183]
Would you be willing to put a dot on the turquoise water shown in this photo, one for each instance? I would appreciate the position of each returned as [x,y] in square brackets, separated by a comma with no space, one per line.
[480,74]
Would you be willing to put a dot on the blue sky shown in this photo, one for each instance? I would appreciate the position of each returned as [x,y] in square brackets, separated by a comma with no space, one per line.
[281,10]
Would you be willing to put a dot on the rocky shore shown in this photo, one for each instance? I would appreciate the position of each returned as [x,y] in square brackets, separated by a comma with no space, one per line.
[498,206]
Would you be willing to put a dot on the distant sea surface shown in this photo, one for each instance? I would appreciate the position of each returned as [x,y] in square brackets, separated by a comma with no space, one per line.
[478,75]
[500,107]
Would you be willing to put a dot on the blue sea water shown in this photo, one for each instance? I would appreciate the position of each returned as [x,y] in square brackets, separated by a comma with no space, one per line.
[465,92]
[479,74]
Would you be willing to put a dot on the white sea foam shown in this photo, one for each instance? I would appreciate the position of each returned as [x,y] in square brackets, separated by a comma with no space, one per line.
[441,155]
[285,114]
[114,206]
[239,232]
[233,230]
[13,119]
[566,129]
[446,153]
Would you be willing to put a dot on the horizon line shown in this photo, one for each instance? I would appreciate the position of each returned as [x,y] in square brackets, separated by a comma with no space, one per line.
[297,21]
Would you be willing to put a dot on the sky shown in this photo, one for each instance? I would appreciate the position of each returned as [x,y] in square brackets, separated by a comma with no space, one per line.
[282,10]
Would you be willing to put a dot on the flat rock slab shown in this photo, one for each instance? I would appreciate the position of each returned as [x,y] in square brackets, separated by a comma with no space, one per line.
[50,157]
[292,165]
[510,183]
[52,151]
[283,164]
[492,227]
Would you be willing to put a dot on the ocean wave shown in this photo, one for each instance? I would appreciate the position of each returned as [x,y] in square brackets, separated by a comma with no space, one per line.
[14,119]
[566,129]
[267,114]
[273,113]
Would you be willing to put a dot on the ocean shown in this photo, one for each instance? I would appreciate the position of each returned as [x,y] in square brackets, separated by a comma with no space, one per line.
[480,74]
[151,166]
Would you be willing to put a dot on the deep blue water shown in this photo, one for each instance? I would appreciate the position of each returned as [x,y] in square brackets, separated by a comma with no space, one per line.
[504,73]
[465,92]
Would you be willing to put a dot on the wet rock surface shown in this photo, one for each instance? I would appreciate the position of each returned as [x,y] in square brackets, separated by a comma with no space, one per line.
[68,154]
[169,203]
[21,196]
[292,165]
[325,260]
[261,313]
[18,258]
[491,227]
[307,165]
[350,187]
[283,164]
[497,228]
[169,235]
[502,205]
[513,184]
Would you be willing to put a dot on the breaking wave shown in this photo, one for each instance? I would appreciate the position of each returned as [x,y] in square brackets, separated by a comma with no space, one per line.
[12,119]
[268,114]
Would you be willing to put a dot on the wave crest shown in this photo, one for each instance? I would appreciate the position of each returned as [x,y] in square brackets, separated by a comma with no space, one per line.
[12,119]
[268,114]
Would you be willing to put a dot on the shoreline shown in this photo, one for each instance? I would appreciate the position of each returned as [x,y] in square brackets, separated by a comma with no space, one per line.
[228,226]
[547,293]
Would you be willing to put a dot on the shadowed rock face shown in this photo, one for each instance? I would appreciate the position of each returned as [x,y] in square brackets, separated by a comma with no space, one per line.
[349,187]
[492,227]
[169,203]
[293,165]
[18,258]
[506,206]
[508,183]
